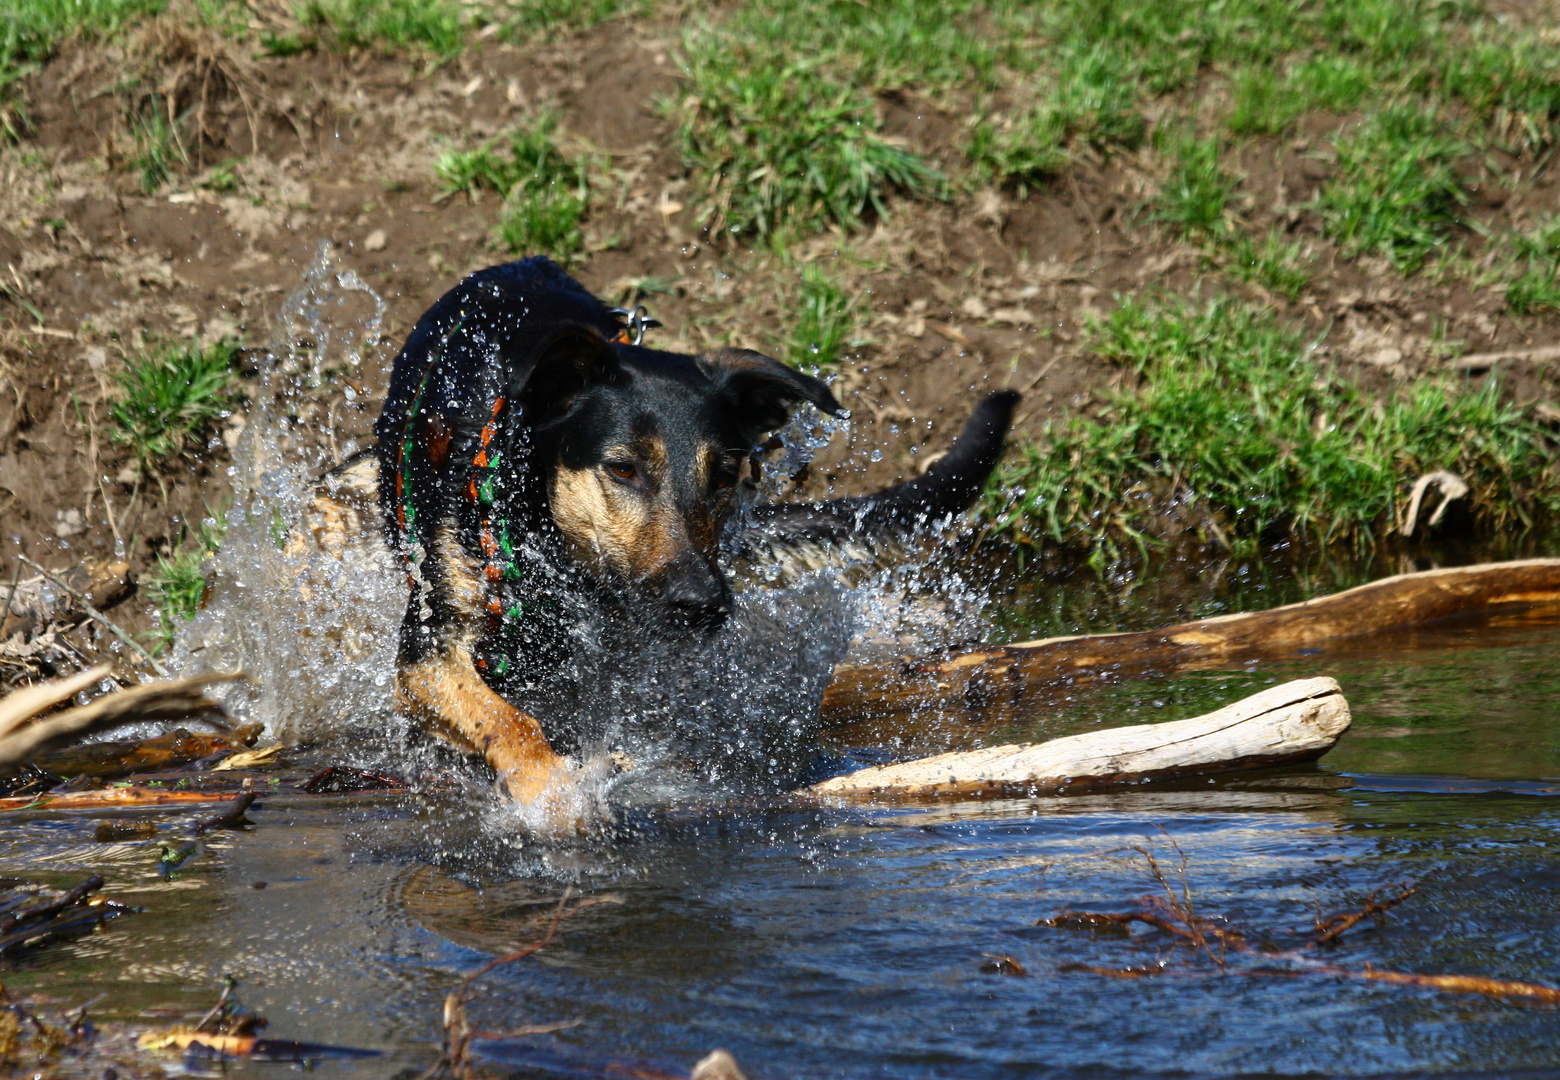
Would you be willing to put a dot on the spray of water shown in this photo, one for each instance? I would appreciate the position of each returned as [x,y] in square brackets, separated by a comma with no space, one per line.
[313,626]
[307,600]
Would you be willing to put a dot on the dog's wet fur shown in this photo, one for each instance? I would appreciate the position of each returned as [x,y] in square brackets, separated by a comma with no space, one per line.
[532,458]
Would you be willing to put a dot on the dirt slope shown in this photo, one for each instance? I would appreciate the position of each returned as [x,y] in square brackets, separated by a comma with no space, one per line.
[987,292]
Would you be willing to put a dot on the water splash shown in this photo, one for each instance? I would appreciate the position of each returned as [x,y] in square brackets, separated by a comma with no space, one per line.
[313,625]
[306,599]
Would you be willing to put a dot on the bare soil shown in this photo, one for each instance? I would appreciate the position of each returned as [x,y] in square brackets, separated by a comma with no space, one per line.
[958,299]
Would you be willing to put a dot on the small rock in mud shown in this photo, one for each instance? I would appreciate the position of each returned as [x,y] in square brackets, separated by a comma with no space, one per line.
[68,523]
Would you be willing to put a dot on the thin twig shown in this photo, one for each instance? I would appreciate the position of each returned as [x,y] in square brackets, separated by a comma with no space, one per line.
[457,1033]
[1328,930]
[227,988]
[1331,929]
[5,612]
[100,617]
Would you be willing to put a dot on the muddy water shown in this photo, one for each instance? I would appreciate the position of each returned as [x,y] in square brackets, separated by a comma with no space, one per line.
[850,943]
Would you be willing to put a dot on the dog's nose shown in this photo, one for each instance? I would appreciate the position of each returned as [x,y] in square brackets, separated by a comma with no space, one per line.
[694,595]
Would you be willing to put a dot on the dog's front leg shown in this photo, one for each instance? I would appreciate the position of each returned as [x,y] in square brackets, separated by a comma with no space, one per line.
[446,690]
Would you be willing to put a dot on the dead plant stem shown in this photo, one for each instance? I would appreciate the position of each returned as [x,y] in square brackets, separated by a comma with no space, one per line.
[108,623]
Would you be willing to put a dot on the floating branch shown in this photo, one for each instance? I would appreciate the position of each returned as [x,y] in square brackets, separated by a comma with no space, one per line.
[1297,721]
[118,798]
[957,681]
[248,1046]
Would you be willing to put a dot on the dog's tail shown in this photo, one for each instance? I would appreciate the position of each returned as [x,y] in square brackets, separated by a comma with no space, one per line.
[815,533]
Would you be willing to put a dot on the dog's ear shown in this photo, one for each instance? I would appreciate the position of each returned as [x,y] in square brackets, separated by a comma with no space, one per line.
[760,390]
[548,373]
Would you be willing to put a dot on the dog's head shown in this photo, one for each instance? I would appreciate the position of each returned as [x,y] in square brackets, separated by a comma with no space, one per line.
[642,452]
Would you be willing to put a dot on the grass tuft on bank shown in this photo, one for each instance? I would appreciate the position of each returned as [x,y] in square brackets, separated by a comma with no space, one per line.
[782,145]
[1237,434]
[1397,191]
[169,396]
[30,30]
[178,584]
[820,319]
[545,193]
[432,25]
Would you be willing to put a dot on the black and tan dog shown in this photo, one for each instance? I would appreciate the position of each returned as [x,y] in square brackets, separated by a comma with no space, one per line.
[531,454]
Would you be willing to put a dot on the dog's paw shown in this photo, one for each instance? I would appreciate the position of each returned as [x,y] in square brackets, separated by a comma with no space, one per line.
[567,799]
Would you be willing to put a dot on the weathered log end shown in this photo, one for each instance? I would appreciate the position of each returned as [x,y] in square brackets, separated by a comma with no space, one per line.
[1297,721]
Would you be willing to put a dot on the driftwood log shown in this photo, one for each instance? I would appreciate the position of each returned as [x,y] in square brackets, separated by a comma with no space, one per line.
[25,727]
[1297,721]
[956,682]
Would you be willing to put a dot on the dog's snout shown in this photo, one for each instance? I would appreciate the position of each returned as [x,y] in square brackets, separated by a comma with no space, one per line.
[695,595]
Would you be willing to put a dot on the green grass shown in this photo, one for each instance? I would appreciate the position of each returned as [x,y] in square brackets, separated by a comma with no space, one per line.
[543,220]
[1510,78]
[527,19]
[820,321]
[1236,421]
[431,25]
[1194,204]
[1195,196]
[168,397]
[533,159]
[1396,192]
[1263,102]
[158,150]
[1538,285]
[178,584]
[545,193]
[783,145]
[884,45]
[30,30]
[222,177]
[1273,264]
[1091,106]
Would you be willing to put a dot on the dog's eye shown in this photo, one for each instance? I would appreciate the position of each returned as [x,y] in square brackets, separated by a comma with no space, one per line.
[623,470]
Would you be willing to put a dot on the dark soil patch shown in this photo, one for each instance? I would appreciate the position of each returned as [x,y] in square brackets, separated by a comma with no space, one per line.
[959,299]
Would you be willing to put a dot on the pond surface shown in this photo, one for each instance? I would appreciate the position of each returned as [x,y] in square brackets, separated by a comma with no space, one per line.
[851,943]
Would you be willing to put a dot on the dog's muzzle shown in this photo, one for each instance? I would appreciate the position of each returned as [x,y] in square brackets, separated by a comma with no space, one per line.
[692,595]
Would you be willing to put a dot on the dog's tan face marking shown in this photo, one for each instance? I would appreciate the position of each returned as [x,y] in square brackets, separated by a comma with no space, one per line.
[637,509]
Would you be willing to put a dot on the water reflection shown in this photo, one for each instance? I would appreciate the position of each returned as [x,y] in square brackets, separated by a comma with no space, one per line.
[849,943]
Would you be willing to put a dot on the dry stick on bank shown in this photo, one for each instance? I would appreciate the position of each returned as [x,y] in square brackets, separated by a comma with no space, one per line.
[1544,354]
[107,623]
[1174,915]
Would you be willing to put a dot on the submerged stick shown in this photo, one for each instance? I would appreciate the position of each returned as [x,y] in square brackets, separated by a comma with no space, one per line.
[978,677]
[1451,984]
[1297,721]
[47,908]
[121,798]
[232,817]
